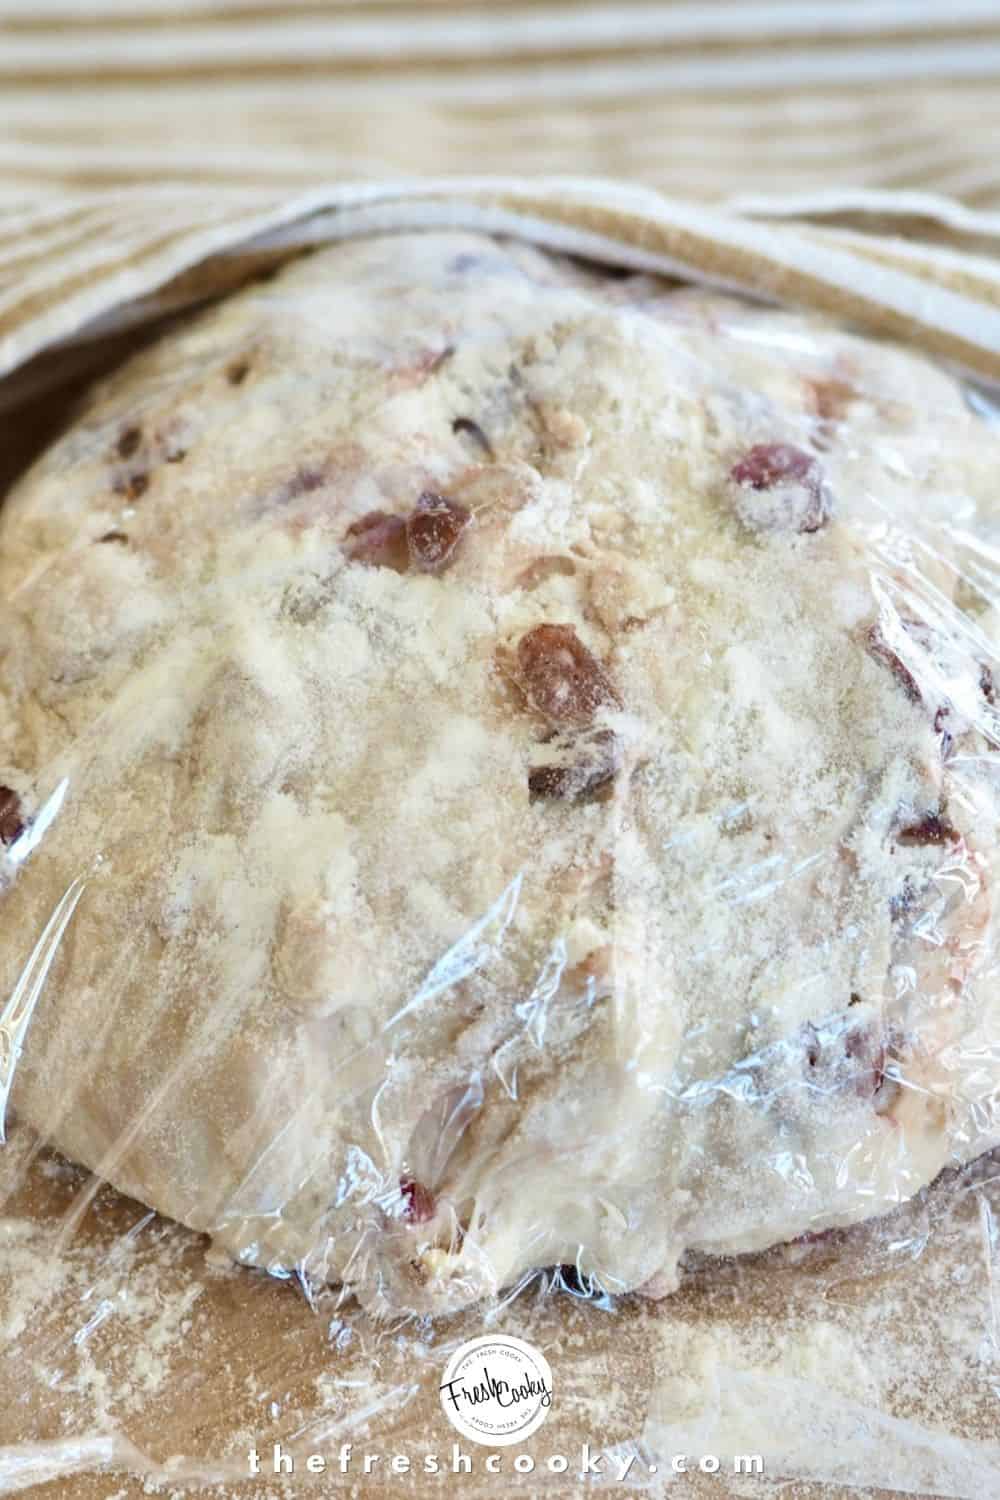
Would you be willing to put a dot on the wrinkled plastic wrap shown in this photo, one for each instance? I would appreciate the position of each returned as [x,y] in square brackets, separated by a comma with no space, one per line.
[499,813]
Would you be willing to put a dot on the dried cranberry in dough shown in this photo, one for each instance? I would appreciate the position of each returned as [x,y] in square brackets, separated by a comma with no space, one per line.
[781,488]
[418,1201]
[434,530]
[12,821]
[561,678]
[584,766]
[930,829]
[378,539]
[868,1050]
[880,649]
[129,442]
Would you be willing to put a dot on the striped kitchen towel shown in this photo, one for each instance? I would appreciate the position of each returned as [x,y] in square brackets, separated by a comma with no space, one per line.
[838,154]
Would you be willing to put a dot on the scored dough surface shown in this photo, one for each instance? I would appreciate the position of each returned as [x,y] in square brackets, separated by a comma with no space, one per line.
[529,740]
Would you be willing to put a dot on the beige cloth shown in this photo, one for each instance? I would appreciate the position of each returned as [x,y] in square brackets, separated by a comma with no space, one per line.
[695,99]
[145,145]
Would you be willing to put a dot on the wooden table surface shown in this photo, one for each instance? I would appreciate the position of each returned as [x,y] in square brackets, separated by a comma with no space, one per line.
[117,1329]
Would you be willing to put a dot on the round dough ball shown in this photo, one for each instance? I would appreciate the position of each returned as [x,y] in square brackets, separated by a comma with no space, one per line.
[521,745]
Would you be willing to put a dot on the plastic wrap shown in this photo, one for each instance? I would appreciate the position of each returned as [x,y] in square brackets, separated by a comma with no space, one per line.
[499,813]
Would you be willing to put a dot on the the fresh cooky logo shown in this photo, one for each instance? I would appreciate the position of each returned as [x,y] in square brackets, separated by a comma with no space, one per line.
[496,1390]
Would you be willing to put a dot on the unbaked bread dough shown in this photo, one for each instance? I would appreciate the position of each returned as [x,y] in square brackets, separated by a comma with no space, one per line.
[515,746]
